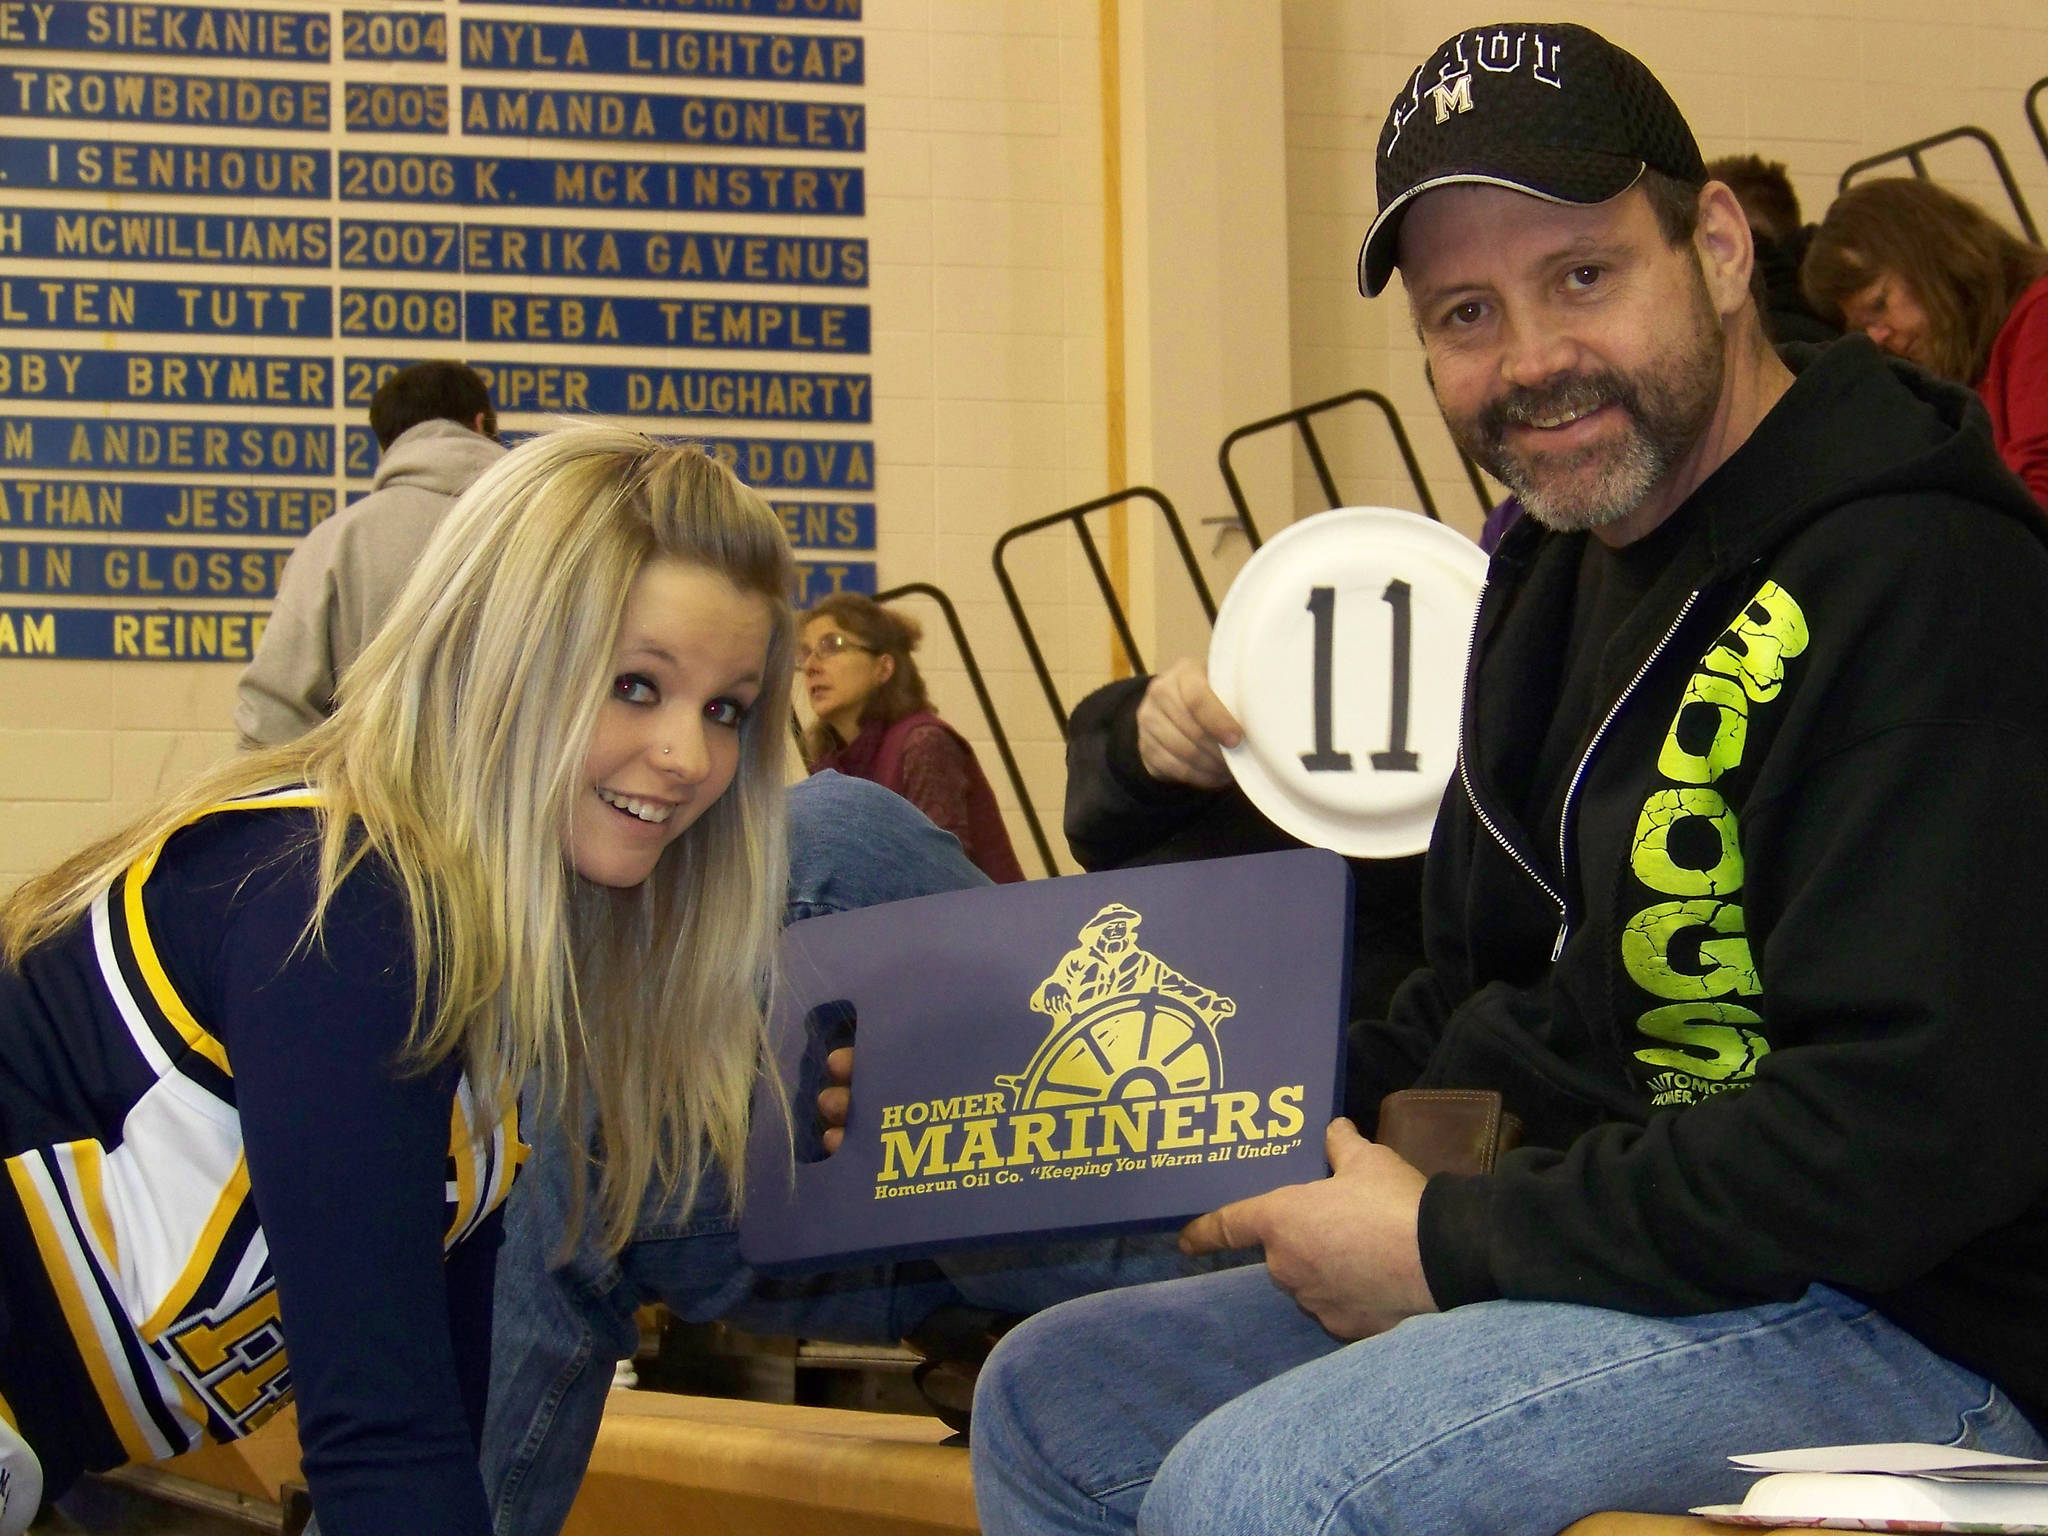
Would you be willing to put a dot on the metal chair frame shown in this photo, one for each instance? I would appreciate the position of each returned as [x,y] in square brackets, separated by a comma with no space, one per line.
[2034,93]
[1078,516]
[1914,155]
[1301,419]
[988,708]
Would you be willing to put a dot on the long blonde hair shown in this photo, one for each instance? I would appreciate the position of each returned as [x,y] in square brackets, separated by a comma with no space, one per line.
[456,754]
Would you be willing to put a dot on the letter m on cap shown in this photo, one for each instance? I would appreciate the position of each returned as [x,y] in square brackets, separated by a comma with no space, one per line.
[1450,96]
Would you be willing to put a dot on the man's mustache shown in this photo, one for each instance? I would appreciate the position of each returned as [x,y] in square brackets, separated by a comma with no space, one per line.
[1576,394]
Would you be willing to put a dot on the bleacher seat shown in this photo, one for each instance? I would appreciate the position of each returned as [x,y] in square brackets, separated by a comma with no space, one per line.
[729,1467]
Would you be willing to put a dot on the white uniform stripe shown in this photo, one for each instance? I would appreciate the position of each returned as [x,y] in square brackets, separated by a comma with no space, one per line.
[117,988]
[86,1278]
[486,1180]
[249,1273]
[166,1388]
[498,1163]
[480,1147]
[462,1150]
[66,1158]
[240,1286]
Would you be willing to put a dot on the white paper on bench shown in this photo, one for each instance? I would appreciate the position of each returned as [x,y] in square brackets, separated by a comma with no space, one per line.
[1946,1462]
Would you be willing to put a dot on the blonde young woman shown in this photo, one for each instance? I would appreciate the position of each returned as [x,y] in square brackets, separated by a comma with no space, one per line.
[259,1052]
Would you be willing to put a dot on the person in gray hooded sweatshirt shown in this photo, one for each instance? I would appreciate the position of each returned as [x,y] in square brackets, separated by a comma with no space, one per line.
[437,432]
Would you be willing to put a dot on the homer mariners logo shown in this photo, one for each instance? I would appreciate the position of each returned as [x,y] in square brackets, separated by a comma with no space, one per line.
[1130,1078]
[1126,1025]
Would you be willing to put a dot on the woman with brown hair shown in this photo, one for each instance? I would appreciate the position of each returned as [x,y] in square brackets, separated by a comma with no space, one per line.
[875,721]
[1932,278]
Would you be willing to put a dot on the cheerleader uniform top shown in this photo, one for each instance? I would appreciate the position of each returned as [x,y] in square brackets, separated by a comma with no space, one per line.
[223,1187]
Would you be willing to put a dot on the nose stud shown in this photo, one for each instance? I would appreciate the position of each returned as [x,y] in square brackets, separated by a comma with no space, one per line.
[664,751]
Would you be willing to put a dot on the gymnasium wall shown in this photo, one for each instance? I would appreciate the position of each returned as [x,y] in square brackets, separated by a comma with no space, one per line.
[1095,235]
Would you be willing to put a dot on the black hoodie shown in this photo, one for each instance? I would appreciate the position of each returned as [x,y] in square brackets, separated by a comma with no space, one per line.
[1776,1013]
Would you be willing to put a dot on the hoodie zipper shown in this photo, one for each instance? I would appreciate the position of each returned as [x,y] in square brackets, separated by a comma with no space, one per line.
[1472,799]
[1506,847]
[1564,820]
[1564,926]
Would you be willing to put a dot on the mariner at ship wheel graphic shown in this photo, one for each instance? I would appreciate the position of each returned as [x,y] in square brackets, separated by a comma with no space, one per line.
[1125,1025]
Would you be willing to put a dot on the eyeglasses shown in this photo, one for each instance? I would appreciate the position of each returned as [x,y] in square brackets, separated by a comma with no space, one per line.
[830,645]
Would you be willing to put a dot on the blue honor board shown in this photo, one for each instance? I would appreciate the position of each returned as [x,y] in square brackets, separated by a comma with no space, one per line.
[1121,1050]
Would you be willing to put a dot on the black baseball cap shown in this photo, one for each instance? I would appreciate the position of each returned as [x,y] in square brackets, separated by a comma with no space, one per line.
[1547,108]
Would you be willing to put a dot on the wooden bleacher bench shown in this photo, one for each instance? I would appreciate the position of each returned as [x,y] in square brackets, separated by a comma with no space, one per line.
[730,1467]
[1659,1525]
[257,1466]
[733,1468]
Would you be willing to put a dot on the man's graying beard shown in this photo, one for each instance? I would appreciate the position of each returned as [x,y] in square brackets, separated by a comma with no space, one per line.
[1658,435]
[1667,405]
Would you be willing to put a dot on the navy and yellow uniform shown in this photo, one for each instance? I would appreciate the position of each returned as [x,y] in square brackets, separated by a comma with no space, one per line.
[211,1148]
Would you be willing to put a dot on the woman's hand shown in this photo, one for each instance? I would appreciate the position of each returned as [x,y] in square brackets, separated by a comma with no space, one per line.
[833,1102]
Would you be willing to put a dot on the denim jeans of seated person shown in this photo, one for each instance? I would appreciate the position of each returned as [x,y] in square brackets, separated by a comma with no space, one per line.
[558,1331]
[1215,1406]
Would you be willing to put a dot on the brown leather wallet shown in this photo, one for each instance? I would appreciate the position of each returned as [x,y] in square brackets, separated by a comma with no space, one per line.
[1448,1130]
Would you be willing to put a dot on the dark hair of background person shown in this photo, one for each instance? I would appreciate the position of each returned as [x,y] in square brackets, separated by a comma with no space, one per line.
[431,392]
[1966,269]
[1676,204]
[1764,188]
[885,632]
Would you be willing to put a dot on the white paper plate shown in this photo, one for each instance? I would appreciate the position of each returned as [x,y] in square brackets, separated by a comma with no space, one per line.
[1731,1514]
[1353,754]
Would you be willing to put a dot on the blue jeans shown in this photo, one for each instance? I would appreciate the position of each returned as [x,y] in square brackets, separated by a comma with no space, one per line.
[558,1329]
[1215,1405]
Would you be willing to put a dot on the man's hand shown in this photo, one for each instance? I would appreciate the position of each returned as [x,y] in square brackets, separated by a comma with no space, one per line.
[1183,726]
[1344,1247]
[833,1102]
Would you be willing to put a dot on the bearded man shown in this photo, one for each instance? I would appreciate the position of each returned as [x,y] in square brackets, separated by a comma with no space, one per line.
[1733,899]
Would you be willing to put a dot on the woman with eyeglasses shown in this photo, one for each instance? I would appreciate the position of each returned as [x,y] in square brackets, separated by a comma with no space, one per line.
[1933,278]
[875,721]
